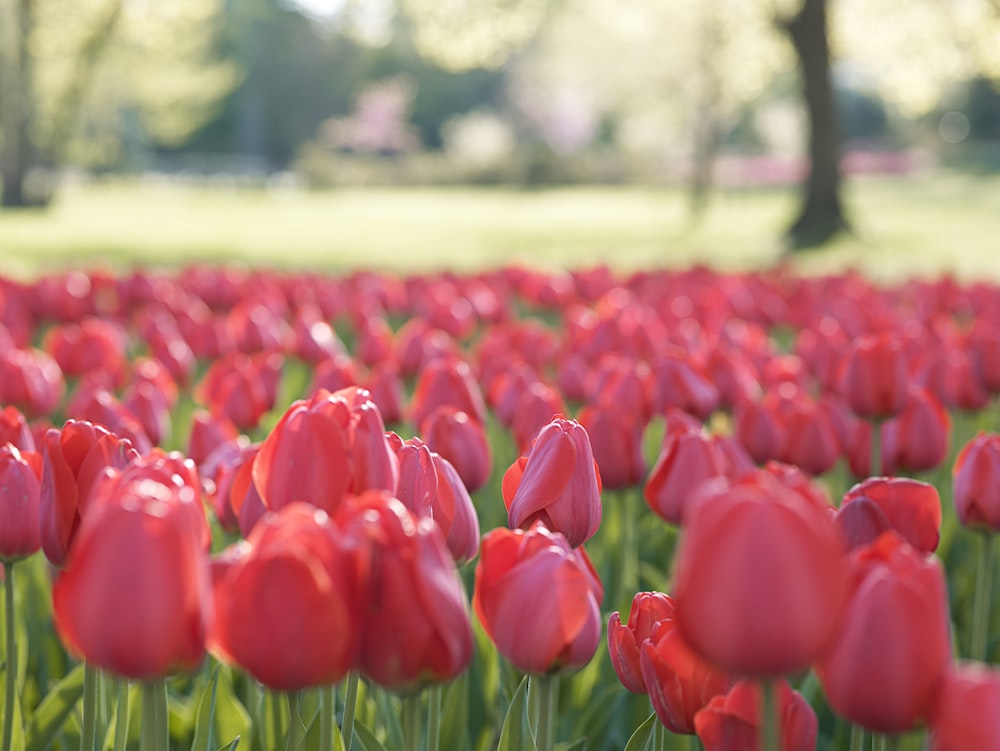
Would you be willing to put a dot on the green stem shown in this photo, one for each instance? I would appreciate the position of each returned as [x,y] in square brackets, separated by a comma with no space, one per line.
[876,467]
[350,705]
[548,711]
[88,734]
[121,714]
[411,721]
[981,606]
[630,551]
[769,716]
[434,718]
[857,738]
[11,655]
[293,738]
[327,716]
[155,721]
[693,744]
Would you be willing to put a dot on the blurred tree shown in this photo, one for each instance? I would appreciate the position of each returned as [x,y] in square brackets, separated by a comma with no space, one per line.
[301,70]
[696,53]
[77,74]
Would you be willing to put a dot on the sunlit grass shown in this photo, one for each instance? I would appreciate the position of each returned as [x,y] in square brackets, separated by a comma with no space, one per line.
[921,225]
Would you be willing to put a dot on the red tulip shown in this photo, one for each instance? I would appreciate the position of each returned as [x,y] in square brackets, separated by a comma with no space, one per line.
[861,522]
[286,601]
[355,455]
[14,429]
[624,640]
[386,389]
[94,403]
[917,439]
[892,650]
[760,429]
[677,382]
[537,572]
[454,512]
[616,438]
[558,484]
[534,409]
[429,486]
[92,346]
[133,598]
[911,507]
[732,722]
[810,438]
[72,460]
[208,432]
[680,682]
[777,615]
[240,387]
[977,482]
[874,378]
[688,458]
[415,624]
[447,382]
[462,440]
[30,380]
[19,477]
[965,716]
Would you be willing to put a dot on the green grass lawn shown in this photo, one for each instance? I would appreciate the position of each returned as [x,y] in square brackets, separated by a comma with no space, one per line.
[919,225]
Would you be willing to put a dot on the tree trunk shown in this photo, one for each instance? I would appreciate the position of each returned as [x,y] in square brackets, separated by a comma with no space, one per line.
[821,215]
[15,156]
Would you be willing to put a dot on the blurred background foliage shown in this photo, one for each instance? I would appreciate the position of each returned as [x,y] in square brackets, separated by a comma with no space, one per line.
[334,93]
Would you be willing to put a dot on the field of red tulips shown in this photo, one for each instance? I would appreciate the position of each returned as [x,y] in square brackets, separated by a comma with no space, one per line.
[515,510]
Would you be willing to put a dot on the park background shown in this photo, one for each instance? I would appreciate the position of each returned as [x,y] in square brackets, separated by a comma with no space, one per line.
[430,134]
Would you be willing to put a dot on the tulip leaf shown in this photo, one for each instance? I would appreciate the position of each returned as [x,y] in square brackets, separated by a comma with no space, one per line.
[641,737]
[54,710]
[366,739]
[232,746]
[515,735]
[218,713]
[204,737]
[455,715]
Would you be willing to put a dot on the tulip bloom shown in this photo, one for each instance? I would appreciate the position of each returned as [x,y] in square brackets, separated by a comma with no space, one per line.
[558,483]
[286,601]
[462,440]
[778,614]
[911,507]
[874,379]
[893,648]
[680,682]
[965,715]
[72,460]
[429,486]
[324,448]
[917,439]
[415,624]
[616,439]
[14,429]
[688,458]
[624,640]
[19,535]
[732,721]
[447,381]
[536,572]
[134,597]
[977,482]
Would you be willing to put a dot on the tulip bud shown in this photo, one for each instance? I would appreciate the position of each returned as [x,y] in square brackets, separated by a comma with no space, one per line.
[977,482]
[558,484]
[536,571]
[624,640]
[891,651]
[779,614]
[19,531]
